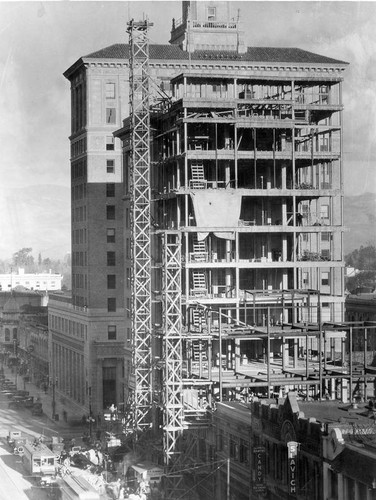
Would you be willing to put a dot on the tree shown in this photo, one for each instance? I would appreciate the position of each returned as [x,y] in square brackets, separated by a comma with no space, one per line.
[362,279]
[22,258]
[363,258]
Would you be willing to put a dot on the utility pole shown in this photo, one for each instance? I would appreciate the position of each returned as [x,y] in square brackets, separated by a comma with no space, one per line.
[228,480]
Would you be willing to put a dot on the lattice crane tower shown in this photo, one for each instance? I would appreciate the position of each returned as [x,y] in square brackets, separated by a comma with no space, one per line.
[141,311]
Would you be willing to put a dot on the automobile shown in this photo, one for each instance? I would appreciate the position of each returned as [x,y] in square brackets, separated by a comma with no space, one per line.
[11,394]
[29,402]
[7,393]
[12,437]
[81,461]
[9,387]
[37,409]
[8,384]
[15,404]
[48,481]
[22,393]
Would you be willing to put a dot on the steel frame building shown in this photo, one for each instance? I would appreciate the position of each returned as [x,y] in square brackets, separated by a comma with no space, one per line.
[247,195]
[232,218]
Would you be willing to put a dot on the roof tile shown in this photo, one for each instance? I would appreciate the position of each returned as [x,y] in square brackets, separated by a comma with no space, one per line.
[253,54]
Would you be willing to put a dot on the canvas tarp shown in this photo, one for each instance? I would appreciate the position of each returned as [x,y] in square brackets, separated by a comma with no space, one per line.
[217,209]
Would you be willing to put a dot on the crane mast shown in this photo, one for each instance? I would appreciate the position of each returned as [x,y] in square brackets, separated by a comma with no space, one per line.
[141,310]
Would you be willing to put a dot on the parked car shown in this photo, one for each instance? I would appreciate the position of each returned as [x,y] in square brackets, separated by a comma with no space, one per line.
[37,409]
[15,404]
[13,436]
[29,402]
[11,394]
[22,393]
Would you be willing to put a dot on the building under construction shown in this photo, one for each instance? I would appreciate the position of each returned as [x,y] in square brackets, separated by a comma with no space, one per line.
[231,265]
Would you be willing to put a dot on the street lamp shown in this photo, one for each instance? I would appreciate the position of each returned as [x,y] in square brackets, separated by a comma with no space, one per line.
[90,418]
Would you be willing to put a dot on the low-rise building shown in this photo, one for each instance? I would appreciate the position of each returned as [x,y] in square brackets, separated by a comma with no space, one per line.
[285,449]
[32,281]
[361,306]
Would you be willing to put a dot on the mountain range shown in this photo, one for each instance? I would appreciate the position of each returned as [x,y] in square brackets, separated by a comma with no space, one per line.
[39,217]
[360,219]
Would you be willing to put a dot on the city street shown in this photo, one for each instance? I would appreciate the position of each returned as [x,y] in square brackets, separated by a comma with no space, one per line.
[13,482]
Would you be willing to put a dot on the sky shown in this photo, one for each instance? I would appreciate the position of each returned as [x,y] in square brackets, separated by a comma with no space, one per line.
[40,40]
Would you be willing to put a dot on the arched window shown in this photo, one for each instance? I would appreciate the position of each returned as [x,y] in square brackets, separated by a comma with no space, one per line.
[14,333]
[7,335]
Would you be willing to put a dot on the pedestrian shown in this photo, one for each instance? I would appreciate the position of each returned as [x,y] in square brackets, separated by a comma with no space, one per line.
[299,219]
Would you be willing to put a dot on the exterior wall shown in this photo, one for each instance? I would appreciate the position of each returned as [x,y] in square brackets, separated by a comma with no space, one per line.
[38,282]
[328,463]
[33,349]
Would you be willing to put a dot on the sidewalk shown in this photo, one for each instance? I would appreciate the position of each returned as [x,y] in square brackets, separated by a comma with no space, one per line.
[65,429]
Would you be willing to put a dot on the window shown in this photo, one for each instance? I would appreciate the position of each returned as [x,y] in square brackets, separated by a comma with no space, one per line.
[110,166]
[111,331]
[110,212]
[233,450]
[243,452]
[111,259]
[110,235]
[7,335]
[111,281]
[325,278]
[110,115]
[220,440]
[211,13]
[110,90]
[110,190]
[110,145]
[325,254]
[324,211]
[111,304]
[325,236]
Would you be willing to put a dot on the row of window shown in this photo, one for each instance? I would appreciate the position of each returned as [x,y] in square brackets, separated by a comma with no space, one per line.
[79,214]
[325,278]
[79,259]
[67,326]
[78,192]
[7,334]
[79,236]
[78,107]
[79,281]
[79,169]
[78,147]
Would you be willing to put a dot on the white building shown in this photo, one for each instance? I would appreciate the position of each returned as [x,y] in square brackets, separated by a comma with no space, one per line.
[33,281]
